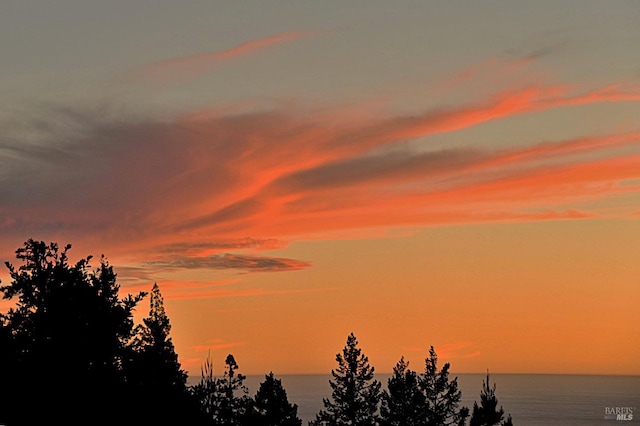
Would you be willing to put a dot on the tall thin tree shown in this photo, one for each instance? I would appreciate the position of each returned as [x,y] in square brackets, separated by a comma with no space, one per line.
[153,371]
[233,403]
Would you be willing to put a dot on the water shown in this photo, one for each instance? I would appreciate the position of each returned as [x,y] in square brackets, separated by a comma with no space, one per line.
[532,400]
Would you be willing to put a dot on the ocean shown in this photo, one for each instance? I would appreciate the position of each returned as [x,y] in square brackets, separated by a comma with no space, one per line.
[531,399]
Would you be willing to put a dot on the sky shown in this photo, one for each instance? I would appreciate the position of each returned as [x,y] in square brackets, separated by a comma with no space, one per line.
[458,174]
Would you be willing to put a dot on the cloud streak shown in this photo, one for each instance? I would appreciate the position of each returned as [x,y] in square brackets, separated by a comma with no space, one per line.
[208,191]
[188,68]
[246,263]
[228,174]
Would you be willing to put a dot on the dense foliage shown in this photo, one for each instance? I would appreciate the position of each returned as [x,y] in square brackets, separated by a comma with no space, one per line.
[71,354]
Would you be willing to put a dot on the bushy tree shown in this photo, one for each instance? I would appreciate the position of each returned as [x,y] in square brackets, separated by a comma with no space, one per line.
[488,413]
[271,406]
[355,394]
[68,332]
[403,403]
[441,394]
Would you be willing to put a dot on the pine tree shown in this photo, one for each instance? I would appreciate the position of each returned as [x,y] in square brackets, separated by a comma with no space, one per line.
[356,395]
[232,405]
[271,406]
[442,395]
[153,370]
[403,403]
[155,348]
[488,414]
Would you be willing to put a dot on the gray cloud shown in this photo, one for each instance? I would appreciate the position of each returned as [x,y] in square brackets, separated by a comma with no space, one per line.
[233,261]
[388,167]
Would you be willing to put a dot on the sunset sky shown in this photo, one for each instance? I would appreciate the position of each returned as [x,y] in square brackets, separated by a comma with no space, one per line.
[457,174]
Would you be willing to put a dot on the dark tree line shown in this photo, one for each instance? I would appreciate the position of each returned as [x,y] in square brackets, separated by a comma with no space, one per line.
[70,353]
[410,399]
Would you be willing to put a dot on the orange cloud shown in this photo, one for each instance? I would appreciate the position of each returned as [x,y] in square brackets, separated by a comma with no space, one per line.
[211,190]
[185,69]
[446,187]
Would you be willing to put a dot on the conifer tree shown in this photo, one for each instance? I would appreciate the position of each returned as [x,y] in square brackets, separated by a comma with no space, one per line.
[153,370]
[442,395]
[271,406]
[355,394]
[155,348]
[233,404]
[403,403]
[488,414]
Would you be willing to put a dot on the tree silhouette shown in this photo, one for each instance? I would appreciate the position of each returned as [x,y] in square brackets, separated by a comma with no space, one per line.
[206,391]
[403,403]
[153,370]
[223,401]
[488,414]
[442,395]
[271,406]
[68,333]
[69,351]
[355,395]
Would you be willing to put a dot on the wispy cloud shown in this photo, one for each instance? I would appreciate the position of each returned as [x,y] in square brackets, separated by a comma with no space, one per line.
[247,263]
[137,179]
[187,68]
[210,191]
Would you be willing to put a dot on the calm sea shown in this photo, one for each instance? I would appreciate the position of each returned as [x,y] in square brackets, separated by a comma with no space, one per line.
[532,400]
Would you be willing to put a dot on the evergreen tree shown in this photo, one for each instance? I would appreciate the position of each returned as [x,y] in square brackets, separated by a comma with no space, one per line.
[154,350]
[355,394]
[68,332]
[153,370]
[488,414]
[403,403]
[232,403]
[271,406]
[442,395]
